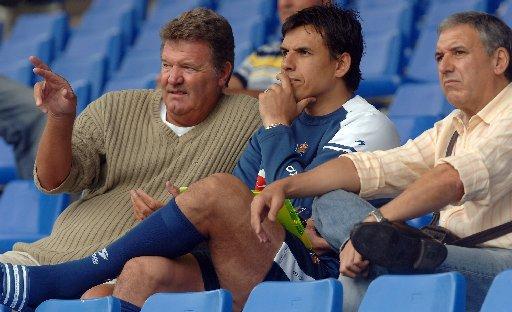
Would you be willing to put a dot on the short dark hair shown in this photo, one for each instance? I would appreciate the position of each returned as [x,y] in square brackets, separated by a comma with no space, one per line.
[341,31]
[204,25]
[494,33]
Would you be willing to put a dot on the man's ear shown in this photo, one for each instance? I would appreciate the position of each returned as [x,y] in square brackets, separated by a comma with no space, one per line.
[501,60]
[225,73]
[343,65]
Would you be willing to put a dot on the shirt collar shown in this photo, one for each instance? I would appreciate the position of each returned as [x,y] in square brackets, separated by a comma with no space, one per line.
[486,114]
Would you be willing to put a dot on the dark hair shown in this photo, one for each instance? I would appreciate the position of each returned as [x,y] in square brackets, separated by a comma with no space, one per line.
[205,25]
[493,32]
[341,31]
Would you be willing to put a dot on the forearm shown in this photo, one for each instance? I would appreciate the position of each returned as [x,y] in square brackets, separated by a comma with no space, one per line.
[53,160]
[339,173]
[434,190]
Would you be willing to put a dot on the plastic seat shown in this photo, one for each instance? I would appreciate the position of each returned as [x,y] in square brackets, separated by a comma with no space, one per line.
[441,292]
[422,66]
[139,8]
[4,308]
[206,301]
[54,24]
[105,304]
[424,99]
[498,297]
[27,214]
[441,9]
[322,295]
[14,55]
[409,127]
[8,169]
[106,43]
[380,65]
[420,222]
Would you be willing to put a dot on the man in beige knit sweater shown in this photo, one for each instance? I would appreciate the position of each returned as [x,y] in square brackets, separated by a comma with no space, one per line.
[137,139]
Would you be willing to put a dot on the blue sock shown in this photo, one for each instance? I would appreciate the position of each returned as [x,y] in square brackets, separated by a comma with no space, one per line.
[167,233]
[128,307]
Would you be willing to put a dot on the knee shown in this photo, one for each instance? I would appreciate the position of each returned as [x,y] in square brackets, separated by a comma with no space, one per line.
[139,272]
[212,192]
[99,291]
[339,196]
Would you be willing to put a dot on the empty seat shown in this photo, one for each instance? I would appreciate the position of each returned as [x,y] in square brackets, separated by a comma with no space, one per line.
[105,304]
[420,222]
[380,65]
[425,99]
[427,292]
[8,169]
[205,301]
[409,127]
[441,9]
[14,55]
[27,214]
[498,297]
[53,24]
[422,65]
[322,295]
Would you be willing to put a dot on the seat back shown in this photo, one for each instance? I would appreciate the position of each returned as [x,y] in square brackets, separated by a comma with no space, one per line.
[208,301]
[426,292]
[322,295]
[498,297]
[105,304]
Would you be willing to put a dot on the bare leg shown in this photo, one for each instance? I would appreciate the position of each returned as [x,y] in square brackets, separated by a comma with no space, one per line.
[141,277]
[218,206]
[98,291]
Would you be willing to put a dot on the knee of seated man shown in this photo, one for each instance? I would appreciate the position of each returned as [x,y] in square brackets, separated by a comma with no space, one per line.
[212,192]
[99,291]
[142,272]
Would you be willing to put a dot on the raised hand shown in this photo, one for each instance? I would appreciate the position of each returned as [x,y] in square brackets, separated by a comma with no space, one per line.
[278,104]
[53,95]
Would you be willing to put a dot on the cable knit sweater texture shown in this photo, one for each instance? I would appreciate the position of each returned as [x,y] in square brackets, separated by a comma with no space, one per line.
[120,143]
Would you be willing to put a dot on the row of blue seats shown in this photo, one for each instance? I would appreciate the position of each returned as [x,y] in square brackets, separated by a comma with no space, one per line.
[443,292]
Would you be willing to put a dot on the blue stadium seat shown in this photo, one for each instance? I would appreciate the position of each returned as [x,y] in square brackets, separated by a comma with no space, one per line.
[422,65]
[409,127]
[505,12]
[14,55]
[8,169]
[118,19]
[322,295]
[86,76]
[420,222]
[441,292]
[380,65]
[106,44]
[117,84]
[206,301]
[147,43]
[440,9]
[389,18]
[139,8]
[54,24]
[4,309]
[105,304]
[499,297]
[165,10]
[424,99]
[27,214]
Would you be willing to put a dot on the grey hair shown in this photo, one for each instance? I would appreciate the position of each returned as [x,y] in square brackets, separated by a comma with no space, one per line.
[493,32]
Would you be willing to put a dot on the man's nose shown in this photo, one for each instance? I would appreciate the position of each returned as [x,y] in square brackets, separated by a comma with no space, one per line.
[175,76]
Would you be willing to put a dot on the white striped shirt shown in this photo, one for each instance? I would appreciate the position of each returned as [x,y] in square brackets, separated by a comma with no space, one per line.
[482,156]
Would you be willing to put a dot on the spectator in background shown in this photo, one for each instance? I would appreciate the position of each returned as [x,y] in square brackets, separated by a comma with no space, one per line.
[21,123]
[258,71]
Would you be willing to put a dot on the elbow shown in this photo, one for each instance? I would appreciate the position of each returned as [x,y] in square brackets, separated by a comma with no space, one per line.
[454,183]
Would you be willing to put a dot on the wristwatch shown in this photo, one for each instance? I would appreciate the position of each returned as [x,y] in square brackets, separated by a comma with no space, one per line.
[377,215]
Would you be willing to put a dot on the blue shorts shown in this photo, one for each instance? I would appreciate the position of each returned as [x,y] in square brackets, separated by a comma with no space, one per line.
[293,262]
